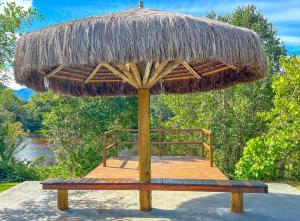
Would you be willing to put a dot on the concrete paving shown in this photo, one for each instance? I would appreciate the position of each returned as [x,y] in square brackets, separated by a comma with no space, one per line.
[28,201]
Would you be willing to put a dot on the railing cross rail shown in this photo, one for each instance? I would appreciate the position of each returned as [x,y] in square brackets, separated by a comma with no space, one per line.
[204,145]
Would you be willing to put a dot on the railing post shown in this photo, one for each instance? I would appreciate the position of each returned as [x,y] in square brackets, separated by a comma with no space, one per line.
[104,149]
[211,156]
[159,144]
[116,141]
[202,140]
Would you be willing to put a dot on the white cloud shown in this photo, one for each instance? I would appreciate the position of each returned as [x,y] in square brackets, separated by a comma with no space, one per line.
[10,79]
[26,4]
[290,39]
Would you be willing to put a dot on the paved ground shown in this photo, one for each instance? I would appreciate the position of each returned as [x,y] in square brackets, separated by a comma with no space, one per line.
[28,201]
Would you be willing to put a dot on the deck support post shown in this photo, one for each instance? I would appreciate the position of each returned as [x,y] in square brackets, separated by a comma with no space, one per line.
[62,199]
[236,202]
[144,146]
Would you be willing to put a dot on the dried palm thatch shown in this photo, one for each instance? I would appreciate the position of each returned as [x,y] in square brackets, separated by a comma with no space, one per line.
[117,53]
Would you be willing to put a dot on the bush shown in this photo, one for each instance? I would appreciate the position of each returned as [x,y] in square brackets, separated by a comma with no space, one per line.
[276,154]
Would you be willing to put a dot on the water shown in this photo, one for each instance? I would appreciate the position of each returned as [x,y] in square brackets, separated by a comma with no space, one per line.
[34,148]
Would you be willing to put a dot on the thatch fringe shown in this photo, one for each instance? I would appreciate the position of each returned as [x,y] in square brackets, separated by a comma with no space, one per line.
[135,36]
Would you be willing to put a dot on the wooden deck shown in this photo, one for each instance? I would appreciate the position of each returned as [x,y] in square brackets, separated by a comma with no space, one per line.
[162,167]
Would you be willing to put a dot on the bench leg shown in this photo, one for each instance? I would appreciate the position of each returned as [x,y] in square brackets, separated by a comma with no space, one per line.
[62,199]
[145,200]
[236,202]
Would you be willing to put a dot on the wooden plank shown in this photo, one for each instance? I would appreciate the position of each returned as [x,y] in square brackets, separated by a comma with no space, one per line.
[206,146]
[94,72]
[119,74]
[158,184]
[128,73]
[147,73]
[136,74]
[156,72]
[216,71]
[106,81]
[191,70]
[62,199]
[171,78]
[236,202]
[144,145]
[172,66]
[67,78]
[52,73]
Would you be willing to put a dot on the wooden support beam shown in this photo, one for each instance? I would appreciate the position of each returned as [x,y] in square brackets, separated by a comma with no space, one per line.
[55,71]
[190,69]
[67,78]
[211,151]
[179,78]
[167,70]
[62,199]
[156,64]
[236,202]
[156,72]
[136,74]
[106,80]
[219,69]
[119,74]
[128,73]
[94,72]
[144,146]
[203,141]
[147,73]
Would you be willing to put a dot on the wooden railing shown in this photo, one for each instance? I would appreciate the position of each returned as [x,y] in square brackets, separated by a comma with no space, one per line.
[114,134]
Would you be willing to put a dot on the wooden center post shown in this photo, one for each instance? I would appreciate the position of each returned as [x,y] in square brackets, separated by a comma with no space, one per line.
[144,146]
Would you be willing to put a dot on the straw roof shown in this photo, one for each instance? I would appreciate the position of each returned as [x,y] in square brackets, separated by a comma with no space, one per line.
[117,53]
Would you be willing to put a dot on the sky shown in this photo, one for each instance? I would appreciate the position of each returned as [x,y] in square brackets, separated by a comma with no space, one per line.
[285,15]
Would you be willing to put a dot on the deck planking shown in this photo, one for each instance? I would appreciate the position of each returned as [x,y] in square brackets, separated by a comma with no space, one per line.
[161,167]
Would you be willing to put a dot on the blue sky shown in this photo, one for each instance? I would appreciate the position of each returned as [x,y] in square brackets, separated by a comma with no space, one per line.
[285,15]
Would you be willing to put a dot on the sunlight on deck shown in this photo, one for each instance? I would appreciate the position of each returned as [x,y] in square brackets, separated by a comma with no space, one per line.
[162,167]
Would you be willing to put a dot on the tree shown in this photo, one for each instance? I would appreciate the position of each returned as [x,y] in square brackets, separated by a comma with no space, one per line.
[276,154]
[12,20]
[74,127]
[231,113]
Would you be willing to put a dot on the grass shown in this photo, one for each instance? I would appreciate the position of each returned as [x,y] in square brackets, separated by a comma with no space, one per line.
[297,187]
[5,186]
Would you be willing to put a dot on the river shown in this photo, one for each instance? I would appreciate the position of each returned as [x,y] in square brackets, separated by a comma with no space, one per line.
[34,147]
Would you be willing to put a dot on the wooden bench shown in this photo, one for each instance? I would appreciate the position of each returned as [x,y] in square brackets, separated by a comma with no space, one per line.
[236,188]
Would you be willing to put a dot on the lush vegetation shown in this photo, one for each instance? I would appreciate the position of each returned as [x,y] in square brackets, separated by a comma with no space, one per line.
[275,154]
[256,126]
[74,127]
[231,113]
[12,110]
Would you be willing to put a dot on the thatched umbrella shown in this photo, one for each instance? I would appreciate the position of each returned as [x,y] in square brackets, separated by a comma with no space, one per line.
[138,52]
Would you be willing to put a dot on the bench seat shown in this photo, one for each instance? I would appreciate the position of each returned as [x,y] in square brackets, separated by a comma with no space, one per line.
[235,187]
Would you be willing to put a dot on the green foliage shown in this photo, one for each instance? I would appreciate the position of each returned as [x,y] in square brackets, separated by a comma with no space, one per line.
[12,20]
[74,127]
[230,113]
[11,133]
[276,154]
[11,137]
